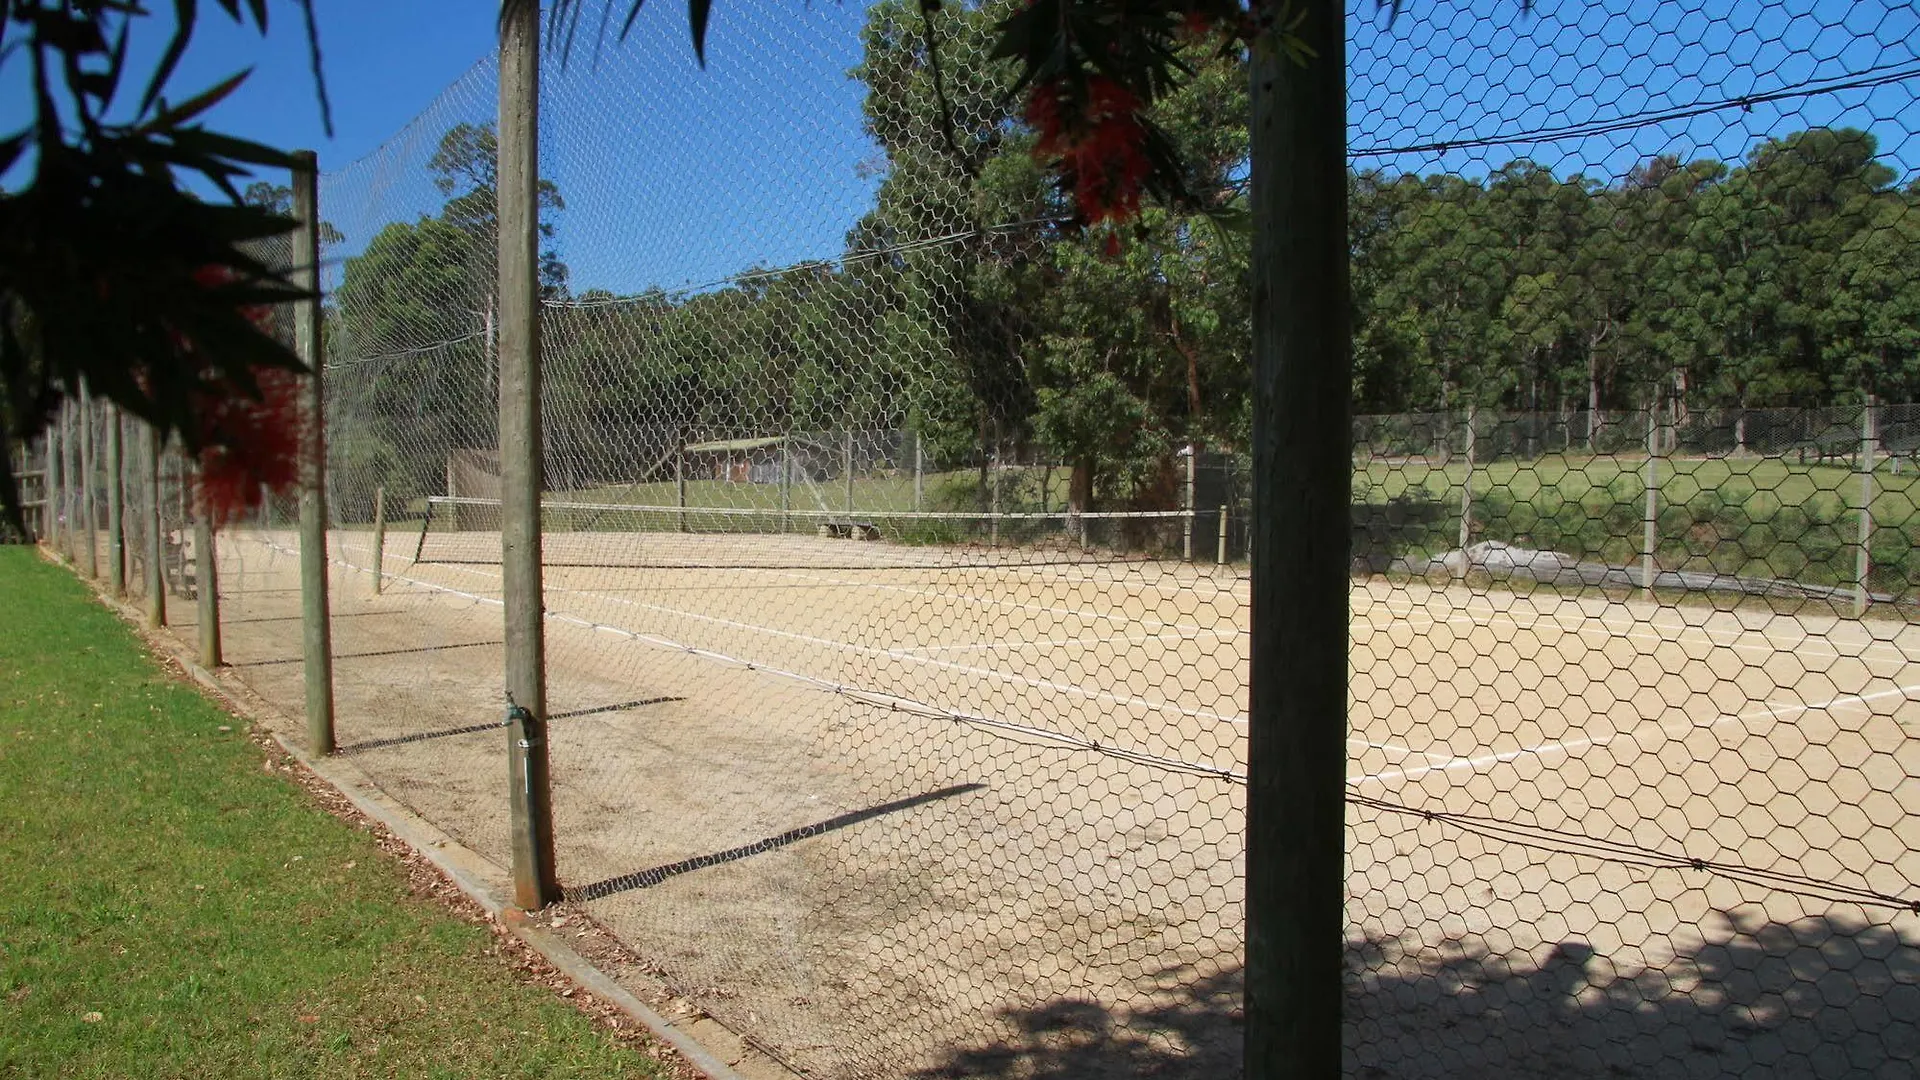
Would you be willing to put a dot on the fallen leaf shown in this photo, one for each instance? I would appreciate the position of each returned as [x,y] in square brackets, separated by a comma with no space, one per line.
[20,994]
[309,1018]
[92,1018]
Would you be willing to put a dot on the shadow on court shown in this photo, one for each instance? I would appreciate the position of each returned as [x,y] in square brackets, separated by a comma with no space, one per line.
[643,879]
[496,725]
[1818,997]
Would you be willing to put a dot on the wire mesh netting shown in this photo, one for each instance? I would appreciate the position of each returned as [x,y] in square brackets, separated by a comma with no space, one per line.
[894,537]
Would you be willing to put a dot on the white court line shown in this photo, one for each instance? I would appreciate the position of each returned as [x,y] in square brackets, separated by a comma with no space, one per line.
[1129,639]
[1153,704]
[1569,747]
[576,620]
[1144,620]
[1648,631]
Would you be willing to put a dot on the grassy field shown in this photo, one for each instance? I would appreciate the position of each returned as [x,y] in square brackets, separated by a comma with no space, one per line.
[1760,483]
[171,909]
[1764,517]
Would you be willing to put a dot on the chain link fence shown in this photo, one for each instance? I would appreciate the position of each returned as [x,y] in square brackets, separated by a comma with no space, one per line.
[894,538]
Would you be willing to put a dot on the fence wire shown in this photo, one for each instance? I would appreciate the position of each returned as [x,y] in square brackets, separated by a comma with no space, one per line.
[896,584]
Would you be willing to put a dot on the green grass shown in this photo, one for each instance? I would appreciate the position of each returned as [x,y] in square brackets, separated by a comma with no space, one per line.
[1763,517]
[170,909]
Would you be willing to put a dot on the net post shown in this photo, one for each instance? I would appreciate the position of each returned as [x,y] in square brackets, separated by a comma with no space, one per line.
[535,881]
[156,544]
[1863,557]
[116,508]
[786,484]
[1299,550]
[919,475]
[1187,503]
[379,537]
[206,577]
[993,499]
[1650,537]
[317,633]
[1466,494]
[680,477]
[87,480]
[1220,558]
[847,457]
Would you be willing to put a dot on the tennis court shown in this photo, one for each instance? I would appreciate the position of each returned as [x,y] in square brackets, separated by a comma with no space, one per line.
[830,786]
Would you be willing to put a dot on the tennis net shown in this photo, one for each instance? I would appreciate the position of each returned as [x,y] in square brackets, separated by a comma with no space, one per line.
[465,530]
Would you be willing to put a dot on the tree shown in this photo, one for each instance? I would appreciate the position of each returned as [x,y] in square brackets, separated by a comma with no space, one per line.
[112,272]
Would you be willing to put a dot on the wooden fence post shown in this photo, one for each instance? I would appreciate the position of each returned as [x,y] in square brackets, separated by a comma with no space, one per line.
[317,631]
[535,880]
[1302,485]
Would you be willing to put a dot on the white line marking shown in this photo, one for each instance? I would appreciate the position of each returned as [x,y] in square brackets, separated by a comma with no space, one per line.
[1152,704]
[1569,747]
[1055,643]
[1589,623]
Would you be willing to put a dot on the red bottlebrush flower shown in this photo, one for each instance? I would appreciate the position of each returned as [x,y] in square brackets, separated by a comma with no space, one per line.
[248,444]
[1098,142]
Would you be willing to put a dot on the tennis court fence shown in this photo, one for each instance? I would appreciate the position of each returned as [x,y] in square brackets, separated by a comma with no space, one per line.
[894,534]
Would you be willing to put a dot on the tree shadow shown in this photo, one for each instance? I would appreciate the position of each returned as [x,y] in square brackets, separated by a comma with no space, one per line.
[1383,532]
[1827,996]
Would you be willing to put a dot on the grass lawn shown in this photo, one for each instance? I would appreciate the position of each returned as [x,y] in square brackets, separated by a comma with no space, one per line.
[1764,517]
[1761,483]
[172,909]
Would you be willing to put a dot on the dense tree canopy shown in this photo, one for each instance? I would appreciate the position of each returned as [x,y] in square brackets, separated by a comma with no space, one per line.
[973,305]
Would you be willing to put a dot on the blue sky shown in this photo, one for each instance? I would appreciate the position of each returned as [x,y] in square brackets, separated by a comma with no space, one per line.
[677,176]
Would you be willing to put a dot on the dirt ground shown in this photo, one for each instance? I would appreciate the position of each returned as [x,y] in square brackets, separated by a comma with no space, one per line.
[909,809]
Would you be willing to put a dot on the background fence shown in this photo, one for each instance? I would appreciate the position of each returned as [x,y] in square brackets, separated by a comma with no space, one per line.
[896,674]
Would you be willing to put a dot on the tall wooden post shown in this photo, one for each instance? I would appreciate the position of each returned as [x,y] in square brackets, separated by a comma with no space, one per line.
[1863,558]
[848,461]
[379,537]
[1650,540]
[153,447]
[206,578]
[1302,480]
[680,478]
[1466,492]
[535,880]
[995,464]
[316,631]
[116,507]
[786,485]
[56,483]
[70,472]
[1187,502]
[89,523]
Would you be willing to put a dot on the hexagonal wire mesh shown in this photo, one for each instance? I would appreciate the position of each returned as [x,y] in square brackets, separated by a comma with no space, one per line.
[894,540]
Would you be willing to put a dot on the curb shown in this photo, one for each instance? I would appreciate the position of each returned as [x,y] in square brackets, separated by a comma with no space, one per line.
[479,878]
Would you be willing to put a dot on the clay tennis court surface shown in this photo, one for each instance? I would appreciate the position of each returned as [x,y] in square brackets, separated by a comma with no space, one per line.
[894,808]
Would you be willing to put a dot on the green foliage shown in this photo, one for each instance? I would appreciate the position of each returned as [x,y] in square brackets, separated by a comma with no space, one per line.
[99,251]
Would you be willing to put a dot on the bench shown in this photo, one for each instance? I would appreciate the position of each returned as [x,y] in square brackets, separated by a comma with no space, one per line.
[849,529]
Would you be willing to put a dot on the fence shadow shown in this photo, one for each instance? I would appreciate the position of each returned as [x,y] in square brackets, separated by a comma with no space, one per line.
[1819,997]
[1385,531]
